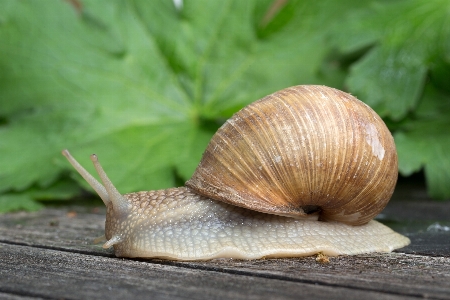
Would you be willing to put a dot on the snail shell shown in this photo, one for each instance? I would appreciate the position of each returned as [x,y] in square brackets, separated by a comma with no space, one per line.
[288,175]
[302,149]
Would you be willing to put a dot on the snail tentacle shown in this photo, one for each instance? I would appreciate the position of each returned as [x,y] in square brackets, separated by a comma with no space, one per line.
[112,241]
[97,186]
[120,204]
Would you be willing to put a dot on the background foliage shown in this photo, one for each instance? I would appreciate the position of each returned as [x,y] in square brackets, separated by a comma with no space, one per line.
[144,84]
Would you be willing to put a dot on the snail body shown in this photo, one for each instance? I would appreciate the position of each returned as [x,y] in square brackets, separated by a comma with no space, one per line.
[301,171]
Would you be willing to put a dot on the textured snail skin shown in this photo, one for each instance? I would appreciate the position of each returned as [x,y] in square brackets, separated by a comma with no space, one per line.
[289,175]
[182,225]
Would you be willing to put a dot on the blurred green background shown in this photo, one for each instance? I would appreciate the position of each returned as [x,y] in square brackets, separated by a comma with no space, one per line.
[145,84]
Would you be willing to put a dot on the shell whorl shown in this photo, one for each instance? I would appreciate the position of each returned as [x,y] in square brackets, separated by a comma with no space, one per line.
[302,149]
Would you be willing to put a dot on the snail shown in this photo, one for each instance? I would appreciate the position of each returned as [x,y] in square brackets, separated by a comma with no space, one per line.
[299,172]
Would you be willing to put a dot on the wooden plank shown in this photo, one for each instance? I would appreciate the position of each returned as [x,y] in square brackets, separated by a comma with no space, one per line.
[5,296]
[394,274]
[411,275]
[34,272]
[429,243]
[412,213]
[71,229]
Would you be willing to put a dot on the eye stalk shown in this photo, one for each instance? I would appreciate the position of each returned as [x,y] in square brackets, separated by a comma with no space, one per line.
[120,204]
[107,192]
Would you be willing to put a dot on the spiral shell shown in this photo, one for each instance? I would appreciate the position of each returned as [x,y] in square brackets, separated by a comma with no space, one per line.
[301,150]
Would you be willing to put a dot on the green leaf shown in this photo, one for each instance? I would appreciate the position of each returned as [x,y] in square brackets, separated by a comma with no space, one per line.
[424,143]
[406,37]
[142,84]
[63,189]
[13,202]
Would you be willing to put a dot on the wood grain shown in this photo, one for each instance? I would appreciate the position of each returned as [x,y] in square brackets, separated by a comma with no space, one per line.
[34,272]
[50,254]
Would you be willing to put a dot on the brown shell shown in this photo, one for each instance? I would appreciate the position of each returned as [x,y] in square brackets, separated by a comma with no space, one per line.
[302,149]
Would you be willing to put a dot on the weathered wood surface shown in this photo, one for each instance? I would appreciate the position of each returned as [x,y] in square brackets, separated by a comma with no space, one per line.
[50,254]
[35,272]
